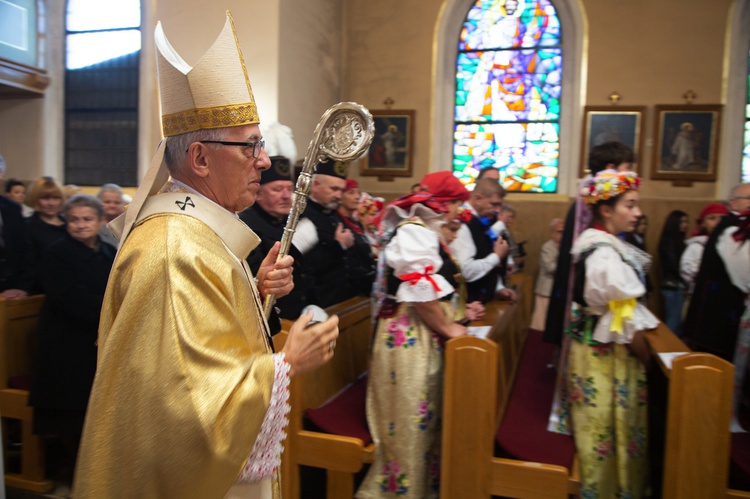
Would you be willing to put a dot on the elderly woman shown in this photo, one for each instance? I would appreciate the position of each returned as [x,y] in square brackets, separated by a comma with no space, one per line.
[421,308]
[74,271]
[46,197]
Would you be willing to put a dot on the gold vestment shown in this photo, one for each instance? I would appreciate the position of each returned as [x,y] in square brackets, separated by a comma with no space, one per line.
[184,373]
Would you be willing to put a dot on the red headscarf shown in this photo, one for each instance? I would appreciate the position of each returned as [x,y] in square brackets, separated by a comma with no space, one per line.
[444,187]
[351,184]
[709,209]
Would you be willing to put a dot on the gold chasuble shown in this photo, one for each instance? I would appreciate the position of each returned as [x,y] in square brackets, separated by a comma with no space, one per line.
[184,374]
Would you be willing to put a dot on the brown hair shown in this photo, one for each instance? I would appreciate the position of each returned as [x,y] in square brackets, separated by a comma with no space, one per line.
[44,187]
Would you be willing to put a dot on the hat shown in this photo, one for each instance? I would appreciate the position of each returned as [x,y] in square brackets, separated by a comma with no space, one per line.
[281,169]
[444,186]
[351,184]
[279,141]
[332,168]
[608,184]
[215,93]
[713,209]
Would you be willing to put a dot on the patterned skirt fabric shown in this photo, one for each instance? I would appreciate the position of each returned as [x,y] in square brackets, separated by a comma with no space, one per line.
[606,396]
[404,406]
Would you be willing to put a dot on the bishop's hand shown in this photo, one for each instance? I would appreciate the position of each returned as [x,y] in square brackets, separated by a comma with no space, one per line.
[275,278]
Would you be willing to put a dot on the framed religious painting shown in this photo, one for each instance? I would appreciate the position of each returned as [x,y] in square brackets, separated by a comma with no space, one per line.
[611,123]
[686,146]
[392,148]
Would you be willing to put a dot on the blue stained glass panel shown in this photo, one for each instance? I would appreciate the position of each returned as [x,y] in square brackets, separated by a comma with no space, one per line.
[508,91]
[527,154]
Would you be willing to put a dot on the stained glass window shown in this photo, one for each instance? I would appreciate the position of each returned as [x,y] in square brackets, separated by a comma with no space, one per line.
[508,87]
[746,149]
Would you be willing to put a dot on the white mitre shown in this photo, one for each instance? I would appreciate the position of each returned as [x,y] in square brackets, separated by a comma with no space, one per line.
[215,93]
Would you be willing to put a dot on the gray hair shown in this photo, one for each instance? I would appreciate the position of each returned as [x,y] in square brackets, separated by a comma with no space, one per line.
[175,153]
[109,188]
[85,201]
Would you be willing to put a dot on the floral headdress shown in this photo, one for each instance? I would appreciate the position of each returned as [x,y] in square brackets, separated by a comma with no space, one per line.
[369,205]
[608,184]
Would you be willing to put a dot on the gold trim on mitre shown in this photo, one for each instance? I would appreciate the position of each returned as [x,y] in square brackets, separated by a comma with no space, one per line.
[215,93]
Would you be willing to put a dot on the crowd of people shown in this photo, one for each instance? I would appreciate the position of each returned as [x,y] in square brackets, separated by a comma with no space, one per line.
[158,311]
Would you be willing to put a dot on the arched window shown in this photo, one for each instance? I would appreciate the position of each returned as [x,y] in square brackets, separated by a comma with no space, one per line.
[508,88]
[103,42]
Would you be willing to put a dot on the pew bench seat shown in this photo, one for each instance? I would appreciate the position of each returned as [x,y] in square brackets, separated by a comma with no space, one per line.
[345,414]
[523,432]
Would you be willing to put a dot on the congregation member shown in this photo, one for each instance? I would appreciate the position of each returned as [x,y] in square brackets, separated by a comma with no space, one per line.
[638,237]
[360,260]
[111,196]
[323,239]
[74,271]
[45,226]
[189,398]
[671,246]
[369,208]
[505,221]
[420,310]
[16,264]
[547,264]
[15,190]
[733,247]
[605,376]
[268,217]
[479,251]
[488,172]
[690,261]
[605,156]
[716,306]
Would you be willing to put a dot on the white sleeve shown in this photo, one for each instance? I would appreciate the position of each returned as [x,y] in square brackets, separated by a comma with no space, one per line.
[690,262]
[305,235]
[610,279]
[736,257]
[464,249]
[265,457]
[414,251]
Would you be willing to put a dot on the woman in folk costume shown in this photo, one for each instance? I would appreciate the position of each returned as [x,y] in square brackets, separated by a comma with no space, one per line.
[734,249]
[604,390]
[420,310]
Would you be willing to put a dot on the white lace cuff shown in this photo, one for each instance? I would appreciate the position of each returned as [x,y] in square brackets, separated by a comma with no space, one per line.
[266,454]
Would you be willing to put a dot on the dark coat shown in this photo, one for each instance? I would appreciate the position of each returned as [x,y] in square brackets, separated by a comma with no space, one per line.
[42,235]
[271,229]
[326,260]
[75,278]
[360,264]
[717,305]
[558,300]
[16,264]
[483,289]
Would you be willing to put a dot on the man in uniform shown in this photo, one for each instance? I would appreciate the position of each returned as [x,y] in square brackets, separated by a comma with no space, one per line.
[267,218]
[189,399]
[322,238]
[361,263]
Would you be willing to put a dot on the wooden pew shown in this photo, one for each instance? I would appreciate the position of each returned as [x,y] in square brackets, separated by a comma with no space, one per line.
[18,330]
[341,457]
[479,377]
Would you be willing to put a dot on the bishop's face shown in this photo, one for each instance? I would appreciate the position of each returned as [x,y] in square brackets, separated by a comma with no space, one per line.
[234,177]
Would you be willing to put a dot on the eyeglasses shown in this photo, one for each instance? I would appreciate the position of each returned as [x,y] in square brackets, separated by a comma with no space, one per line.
[255,146]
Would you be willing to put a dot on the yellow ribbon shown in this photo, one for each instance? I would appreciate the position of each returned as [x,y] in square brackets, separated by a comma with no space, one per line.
[622,309]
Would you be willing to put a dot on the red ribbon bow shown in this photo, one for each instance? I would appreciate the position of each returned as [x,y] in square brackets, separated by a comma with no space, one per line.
[414,277]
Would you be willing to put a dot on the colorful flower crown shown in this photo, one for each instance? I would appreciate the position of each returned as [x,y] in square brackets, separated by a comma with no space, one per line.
[608,184]
[369,205]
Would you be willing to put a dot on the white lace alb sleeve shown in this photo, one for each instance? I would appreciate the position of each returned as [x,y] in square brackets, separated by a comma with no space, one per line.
[610,279]
[265,457]
[414,255]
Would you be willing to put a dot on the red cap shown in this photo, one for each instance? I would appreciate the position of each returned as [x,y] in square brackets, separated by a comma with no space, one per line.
[713,208]
[351,184]
[444,187]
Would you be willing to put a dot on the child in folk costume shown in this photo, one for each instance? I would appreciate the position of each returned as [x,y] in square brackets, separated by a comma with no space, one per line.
[420,310]
[604,393]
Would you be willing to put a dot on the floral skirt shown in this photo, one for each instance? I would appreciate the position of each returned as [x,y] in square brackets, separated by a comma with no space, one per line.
[404,406]
[606,391]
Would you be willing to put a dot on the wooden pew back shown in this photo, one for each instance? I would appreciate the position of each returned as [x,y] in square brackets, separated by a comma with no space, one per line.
[340,455]
[19,321]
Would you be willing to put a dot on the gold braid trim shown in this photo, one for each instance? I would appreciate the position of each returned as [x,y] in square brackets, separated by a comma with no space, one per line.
[209,117]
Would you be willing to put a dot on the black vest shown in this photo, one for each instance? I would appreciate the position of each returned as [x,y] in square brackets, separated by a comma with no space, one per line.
[483,289]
